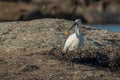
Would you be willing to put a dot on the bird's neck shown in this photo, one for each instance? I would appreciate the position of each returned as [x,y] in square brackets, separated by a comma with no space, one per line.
[79,35]
[77,30]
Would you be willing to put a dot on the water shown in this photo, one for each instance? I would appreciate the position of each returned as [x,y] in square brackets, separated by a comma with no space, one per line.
[112,28]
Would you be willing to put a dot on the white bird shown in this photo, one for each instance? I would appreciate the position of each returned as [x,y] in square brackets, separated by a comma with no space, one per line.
[75,40]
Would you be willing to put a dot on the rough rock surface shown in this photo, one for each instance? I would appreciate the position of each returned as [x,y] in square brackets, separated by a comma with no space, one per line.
[31,50]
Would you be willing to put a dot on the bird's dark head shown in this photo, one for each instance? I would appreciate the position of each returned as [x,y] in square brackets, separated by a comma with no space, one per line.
[77,22]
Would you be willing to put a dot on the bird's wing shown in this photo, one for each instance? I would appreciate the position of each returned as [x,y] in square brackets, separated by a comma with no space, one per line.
[68,42]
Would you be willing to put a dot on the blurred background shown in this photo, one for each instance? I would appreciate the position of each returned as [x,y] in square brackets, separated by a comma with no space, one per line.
[90,11]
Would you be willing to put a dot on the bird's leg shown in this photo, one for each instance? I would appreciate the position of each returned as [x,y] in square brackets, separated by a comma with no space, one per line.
[72,64]
[71,59]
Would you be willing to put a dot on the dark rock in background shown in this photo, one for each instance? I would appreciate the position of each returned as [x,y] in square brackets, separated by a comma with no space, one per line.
[90,11]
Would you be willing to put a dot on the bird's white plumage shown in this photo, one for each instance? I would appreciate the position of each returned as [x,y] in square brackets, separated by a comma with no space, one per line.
[73,42]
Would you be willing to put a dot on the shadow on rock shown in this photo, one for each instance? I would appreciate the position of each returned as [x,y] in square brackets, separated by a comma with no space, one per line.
[95,59]
[29,68]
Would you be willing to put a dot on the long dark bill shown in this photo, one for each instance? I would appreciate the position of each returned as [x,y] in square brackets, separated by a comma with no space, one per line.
[72,26]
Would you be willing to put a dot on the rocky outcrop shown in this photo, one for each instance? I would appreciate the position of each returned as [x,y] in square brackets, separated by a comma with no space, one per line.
[34,48]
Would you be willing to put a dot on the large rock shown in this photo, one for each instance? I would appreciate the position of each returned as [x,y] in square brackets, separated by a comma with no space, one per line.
[32,50]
